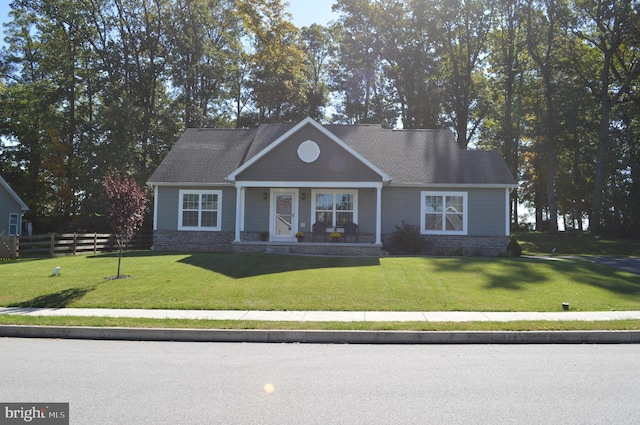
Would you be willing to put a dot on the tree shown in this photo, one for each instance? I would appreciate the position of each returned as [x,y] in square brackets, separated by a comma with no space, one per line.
[126,208]
[357,78]
[408,40]
[278,62]
[44,104]
[503,127]
[611,28]
[544,22]
[318,45]
[466,25]
[205,40]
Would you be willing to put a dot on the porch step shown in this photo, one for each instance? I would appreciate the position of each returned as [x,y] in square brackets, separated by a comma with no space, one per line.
[278,249]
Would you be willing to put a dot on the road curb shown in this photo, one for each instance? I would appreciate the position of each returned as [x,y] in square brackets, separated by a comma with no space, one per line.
[322,337]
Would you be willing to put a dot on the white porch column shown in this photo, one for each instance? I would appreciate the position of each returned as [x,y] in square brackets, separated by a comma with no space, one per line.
[507,201]
[379,214]
[155,207]
[239,207]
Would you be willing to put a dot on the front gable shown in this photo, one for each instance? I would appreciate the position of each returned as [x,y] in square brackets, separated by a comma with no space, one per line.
[308,152]
[11,210]
[10,197]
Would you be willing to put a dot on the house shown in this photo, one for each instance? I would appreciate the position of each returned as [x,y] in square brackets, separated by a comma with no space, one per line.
[227,190]
[11,210]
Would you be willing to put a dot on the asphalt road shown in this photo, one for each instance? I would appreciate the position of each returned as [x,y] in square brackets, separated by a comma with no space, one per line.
[628,264]
[119,382]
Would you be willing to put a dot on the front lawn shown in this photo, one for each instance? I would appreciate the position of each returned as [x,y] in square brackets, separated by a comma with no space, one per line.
[576,243]
[274,282]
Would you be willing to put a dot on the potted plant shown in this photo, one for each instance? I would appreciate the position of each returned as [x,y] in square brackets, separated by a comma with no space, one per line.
[300,236]
[335,236]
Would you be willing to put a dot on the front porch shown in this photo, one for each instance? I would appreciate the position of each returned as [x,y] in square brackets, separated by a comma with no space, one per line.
[311,248]
[278,211]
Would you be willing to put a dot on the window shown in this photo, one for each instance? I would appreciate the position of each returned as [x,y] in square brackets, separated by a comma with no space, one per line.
[334,208]
[200,210]
[444,213]
[14,224]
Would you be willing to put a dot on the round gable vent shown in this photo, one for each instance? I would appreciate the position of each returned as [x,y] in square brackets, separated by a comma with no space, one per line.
[308,151]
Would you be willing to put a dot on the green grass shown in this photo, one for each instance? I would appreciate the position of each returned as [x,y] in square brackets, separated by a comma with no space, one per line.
[369,326]
[274,282]
[574,243]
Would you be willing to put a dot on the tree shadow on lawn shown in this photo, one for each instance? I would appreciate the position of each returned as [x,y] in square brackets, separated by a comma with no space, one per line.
[131,254]
[58,299]
[518,273]
[502,273]
[245,265]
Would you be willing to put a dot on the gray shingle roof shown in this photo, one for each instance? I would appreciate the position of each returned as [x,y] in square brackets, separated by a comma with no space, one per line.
[204,156]
[407,156]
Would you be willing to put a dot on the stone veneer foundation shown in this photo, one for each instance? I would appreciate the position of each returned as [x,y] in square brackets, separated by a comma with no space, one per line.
[223,242]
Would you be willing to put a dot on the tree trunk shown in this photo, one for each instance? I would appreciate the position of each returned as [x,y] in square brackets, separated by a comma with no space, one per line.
[603,141]
[119,260]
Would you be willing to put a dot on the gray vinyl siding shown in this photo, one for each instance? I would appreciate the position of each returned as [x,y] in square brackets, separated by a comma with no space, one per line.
[305,221]
[333,164]
[169,203]
[8,205]
[487,212]
[367,211]
[399,204]
[486,215]
[256,210]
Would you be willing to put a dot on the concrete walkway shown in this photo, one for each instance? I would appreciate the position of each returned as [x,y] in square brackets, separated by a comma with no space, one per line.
[324,337]
[328,316]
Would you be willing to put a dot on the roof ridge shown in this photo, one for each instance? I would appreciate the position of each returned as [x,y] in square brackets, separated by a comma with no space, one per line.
[216,129]
[248,148]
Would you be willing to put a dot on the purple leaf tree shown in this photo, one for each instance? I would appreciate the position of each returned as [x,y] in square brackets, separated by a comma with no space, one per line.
[126,208]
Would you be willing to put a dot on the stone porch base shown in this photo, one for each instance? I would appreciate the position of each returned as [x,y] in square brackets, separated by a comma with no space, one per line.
[223,242]
[311,248]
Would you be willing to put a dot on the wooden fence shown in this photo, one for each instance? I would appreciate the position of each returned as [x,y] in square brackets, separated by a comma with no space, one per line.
[54,244]
[8,247]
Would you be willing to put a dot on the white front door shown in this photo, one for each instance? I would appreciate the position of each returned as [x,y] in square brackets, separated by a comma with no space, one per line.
[284,208]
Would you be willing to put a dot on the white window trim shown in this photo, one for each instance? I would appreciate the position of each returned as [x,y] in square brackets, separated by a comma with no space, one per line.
[218,225]
[354,192]
[465,214]
[17,225]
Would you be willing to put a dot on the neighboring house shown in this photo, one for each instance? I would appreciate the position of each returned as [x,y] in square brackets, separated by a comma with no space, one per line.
[11,210]
[224,189]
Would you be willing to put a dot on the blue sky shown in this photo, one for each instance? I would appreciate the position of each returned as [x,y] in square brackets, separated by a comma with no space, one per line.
[305,12]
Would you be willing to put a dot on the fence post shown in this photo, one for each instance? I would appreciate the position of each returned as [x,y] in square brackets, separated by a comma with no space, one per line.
[73,246]
[53,244]
[95,242]
[14,247]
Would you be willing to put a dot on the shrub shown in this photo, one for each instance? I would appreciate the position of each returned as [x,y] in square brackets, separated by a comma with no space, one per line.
[457,252]
[513,247]
[406,239]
